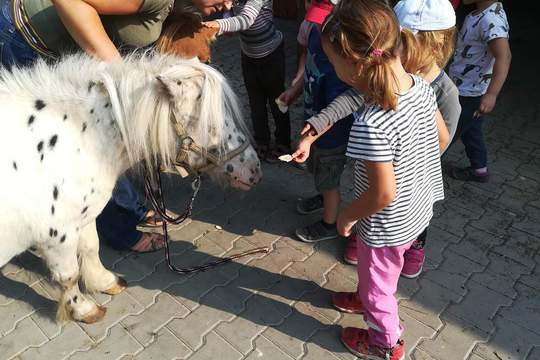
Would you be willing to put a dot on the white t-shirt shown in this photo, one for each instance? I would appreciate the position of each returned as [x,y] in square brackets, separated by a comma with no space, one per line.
[407,138]
[472,67]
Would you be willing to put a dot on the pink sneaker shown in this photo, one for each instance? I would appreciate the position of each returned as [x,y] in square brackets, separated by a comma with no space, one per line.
[414,261]
[351,254]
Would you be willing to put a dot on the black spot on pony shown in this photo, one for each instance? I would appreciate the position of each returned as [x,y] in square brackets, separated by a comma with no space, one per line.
[39,104]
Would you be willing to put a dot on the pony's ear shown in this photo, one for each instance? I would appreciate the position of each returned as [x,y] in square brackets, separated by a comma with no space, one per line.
[167,85]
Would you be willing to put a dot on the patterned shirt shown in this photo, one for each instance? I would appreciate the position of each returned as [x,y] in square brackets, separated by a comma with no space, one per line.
[472,67]
[408,139]
[255,21]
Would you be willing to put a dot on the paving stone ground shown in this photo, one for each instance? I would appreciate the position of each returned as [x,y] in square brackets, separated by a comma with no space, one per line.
[477,299]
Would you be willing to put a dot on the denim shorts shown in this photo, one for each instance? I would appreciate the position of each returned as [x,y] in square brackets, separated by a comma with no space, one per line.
[14,50]
[327,165]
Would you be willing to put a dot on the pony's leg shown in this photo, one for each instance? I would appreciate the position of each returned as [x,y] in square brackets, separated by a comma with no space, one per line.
[61,259]
[93,274]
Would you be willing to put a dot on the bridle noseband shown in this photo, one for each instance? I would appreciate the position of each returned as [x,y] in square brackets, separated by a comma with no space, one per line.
[212,161]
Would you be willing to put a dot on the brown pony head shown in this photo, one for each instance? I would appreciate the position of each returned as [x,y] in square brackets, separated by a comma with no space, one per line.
[185,36]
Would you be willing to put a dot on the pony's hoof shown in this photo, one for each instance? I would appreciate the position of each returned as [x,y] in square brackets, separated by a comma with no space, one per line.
[117,288]
[95,316]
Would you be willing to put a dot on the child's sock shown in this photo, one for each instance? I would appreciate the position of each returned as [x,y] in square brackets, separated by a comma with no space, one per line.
[328,226]
[481,171]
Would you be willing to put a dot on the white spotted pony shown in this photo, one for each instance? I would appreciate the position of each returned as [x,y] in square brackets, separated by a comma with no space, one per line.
[71,129]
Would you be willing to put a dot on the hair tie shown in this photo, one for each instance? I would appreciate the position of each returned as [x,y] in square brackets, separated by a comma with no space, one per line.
[377,52]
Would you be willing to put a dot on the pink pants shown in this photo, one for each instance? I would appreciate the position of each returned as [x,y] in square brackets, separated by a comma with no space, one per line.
[378,274]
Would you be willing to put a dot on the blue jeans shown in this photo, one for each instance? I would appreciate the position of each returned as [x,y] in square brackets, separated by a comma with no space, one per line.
[13,48]
[117,223]
[470,131]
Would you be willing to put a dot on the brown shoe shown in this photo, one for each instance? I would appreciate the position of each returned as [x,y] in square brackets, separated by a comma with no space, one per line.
[149,242]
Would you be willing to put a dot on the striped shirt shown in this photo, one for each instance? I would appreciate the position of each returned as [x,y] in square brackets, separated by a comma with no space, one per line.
[409,139]
[255,21]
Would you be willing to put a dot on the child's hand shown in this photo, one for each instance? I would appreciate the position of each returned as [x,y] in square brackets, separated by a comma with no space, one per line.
[487,103]
[308,130]
[287,97]
[344,226]
[211,24]
[302,151]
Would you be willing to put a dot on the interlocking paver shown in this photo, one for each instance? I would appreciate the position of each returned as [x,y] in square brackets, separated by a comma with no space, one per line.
[25,335]
[265,350]
[165,346]
[215,347]
[192,328]
[73,338]
[144,326]
[455,340]
[525,309]
[453,272]
[118,342]
[509,342]
[480,316]
[121,307]
[520,247]
[428,303]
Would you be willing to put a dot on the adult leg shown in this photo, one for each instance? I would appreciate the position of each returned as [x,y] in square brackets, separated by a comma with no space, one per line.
[127,197]
[257,100]
[117,223]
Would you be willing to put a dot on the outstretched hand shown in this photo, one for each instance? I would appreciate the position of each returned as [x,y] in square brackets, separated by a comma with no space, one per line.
[303,149]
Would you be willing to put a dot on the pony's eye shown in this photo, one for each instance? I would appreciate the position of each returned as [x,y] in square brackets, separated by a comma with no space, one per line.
[179,83]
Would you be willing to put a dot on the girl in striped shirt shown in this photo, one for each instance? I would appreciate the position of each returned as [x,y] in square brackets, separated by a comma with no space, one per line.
[263,68]
[395,141]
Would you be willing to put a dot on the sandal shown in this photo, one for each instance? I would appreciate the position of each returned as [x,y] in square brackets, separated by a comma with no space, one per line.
[149,242]
[151,220]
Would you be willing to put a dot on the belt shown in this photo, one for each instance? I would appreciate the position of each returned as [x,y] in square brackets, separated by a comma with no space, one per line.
[28,33]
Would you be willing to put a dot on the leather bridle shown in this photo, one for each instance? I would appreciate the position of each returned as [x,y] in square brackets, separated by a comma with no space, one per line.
[154,192]
[188,145]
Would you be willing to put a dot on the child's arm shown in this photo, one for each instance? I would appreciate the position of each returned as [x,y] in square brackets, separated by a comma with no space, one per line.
[444,136]
[292,93]
[500,49]
[242,21]
[341,107]
[380,193]
[316,126]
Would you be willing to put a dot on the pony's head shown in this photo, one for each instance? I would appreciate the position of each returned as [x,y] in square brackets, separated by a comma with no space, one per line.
[185,36]
[181,113]
[212,137]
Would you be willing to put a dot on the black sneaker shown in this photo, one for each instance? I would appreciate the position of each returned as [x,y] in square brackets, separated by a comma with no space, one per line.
[310,205]
[468,174]
[316,232]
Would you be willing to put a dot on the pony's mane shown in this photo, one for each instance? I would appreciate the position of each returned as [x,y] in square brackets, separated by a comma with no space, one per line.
[141,108]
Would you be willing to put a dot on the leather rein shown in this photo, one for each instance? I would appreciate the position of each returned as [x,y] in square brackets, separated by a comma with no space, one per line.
[154,192]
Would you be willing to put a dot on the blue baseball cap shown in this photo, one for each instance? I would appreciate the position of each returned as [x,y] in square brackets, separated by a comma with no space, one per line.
[425,15]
